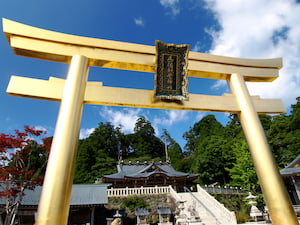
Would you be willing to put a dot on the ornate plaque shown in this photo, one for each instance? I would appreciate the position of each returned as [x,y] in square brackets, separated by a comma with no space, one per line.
[171,71]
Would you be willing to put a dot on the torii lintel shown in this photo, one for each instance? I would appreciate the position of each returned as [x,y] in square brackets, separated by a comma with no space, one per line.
[49,45]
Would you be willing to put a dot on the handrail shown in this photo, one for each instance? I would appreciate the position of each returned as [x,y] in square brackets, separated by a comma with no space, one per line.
[224,190]
[216,204]
[297,209]
[203,205]
[157,190]
[166,190]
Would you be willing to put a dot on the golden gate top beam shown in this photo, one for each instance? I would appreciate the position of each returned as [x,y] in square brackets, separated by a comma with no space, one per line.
[49,45]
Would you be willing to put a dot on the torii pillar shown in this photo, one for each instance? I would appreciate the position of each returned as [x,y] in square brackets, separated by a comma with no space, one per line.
[75,91]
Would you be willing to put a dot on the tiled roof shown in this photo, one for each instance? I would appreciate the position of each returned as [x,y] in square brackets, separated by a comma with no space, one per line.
[82,194]
[164,210]
[140,170]
[292,169]
[295,162]
[141,212]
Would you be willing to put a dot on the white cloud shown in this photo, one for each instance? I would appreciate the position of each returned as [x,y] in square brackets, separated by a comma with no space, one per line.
[171,117]
[84,133]
[126,117]
[38,139]
[261,29]
[139,22]
[173,5]
[200,115]
[40,128]
[219,84]
[197,47]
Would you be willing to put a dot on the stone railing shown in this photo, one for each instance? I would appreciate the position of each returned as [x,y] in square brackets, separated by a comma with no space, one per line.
[174,194]
[224,190]
[222,213]
[297,209]
[114,192]
[157,190]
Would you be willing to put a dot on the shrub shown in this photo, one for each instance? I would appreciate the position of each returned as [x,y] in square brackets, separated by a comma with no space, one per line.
[133,203]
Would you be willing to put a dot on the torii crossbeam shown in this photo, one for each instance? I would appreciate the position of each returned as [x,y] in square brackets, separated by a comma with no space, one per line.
[75,91]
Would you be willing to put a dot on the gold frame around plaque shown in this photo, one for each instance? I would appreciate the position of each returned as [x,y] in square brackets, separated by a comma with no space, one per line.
[171,80]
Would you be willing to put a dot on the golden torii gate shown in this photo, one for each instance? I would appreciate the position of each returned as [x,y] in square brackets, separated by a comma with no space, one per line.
[75,91]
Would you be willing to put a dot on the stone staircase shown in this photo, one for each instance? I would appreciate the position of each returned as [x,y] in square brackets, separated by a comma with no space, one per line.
[200,208]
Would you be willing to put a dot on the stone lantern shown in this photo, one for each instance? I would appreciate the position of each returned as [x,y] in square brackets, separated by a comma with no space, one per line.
[255,213]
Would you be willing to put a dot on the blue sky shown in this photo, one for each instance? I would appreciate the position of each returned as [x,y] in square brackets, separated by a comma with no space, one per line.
[245,28]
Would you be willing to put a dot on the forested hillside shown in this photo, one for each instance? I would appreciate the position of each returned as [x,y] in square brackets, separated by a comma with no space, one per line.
[218,153]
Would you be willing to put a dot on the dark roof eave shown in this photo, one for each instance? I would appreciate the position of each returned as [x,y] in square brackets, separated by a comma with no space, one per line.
[294,162]
[290,171]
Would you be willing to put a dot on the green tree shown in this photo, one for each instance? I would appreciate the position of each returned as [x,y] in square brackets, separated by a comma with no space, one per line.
[207,126]
[284,135]
[295,115]
[209,150]
[283,140]
[293,138]
[174,150]
[143,141]
[243,173]
[211,159]
[266,121]
[98,154]
[38,156]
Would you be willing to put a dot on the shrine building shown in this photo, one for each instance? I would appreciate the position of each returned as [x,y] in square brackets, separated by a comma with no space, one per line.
[149,174]
[291,177]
